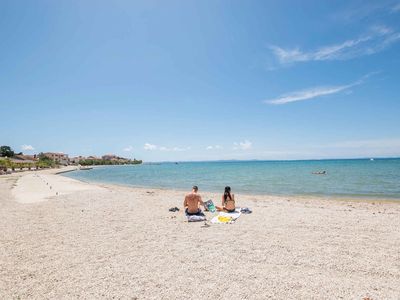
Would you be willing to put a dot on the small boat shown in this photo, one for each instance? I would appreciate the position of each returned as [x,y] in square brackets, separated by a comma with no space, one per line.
[85,168]
[319,173]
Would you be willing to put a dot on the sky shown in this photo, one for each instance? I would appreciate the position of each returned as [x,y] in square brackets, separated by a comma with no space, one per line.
[201,80]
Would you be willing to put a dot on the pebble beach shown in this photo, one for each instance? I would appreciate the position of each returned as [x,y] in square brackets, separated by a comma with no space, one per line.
[90,241]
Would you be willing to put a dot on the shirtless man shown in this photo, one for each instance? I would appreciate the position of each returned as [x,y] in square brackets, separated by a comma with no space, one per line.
[192,202]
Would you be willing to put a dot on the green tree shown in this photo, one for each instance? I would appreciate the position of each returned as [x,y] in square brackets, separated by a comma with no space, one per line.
[45,162]
[6,151]
[3,164]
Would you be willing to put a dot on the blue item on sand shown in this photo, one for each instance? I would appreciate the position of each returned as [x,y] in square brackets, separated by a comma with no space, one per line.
[209,204]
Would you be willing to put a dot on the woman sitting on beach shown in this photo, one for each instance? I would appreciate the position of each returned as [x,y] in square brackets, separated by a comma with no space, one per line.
[228,201]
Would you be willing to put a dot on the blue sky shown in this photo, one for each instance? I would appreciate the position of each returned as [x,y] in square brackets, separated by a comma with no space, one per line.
[201,80]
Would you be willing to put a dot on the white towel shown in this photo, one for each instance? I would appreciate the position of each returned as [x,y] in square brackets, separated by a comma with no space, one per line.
[233,216]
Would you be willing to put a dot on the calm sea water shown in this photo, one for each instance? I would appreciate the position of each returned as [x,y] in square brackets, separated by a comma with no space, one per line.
[358,178]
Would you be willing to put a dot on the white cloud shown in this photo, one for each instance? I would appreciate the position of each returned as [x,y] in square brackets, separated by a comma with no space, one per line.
[287,56]
[315,92]
[246,145]
[307,94]
[376,40]
[148,146]
[27,148]
[128,149]
[216,147]
[175,149]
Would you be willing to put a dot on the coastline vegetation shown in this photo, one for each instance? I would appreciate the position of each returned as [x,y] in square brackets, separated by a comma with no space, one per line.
[46,162]
[6,163]
[6,151]
[43,162]
[9,160]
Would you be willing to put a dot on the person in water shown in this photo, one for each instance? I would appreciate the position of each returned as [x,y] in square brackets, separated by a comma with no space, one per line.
[228,201]
[192,202]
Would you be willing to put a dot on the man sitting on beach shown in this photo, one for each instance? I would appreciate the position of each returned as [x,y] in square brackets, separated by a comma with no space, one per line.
[192,202]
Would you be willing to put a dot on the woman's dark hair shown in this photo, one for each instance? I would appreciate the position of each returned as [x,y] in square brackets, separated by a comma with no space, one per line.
[227,193]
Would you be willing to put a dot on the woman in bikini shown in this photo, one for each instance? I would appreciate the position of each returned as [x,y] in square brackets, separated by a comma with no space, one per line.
[228,201]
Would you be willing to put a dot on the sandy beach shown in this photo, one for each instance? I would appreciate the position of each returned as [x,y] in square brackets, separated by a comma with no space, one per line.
[90,241]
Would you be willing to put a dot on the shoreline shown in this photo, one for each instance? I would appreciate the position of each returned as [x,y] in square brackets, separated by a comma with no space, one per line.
[259,197]
[290,196]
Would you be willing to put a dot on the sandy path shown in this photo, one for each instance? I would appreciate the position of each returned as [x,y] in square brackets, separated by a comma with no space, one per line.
[36,187]
[117,242]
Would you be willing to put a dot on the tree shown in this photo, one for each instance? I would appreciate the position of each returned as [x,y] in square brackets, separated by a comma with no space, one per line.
[6,151]
[45,162]
[4,164]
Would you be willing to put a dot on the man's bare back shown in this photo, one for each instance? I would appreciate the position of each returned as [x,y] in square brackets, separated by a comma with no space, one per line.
[192,202]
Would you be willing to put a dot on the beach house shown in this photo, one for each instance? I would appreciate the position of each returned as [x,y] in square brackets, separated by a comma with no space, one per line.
[60,158]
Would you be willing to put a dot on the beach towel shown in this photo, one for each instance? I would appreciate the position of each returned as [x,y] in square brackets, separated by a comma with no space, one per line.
[196,218]
[226,218]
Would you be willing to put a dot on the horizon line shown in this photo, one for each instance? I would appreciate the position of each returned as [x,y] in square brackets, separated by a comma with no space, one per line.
[256,159]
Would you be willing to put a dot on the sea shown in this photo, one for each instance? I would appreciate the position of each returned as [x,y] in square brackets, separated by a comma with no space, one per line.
[339,178]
